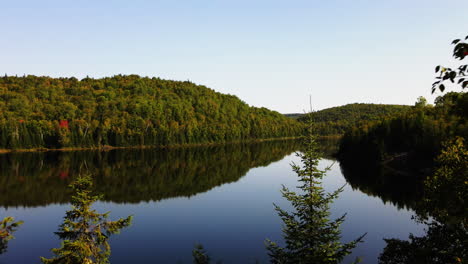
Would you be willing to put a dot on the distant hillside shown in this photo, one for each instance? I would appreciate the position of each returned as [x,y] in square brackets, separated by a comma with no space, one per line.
[416,135]
[294,115]
[336,120]
[44,112]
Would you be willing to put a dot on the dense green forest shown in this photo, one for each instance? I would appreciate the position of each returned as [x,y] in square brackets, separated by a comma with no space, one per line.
[336,120]
[421,156]
[417,134]
[417,160]
[44,112]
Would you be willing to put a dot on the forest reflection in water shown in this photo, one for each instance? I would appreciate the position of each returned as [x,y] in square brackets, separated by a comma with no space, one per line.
[401,190]
[443,211]
[132,175]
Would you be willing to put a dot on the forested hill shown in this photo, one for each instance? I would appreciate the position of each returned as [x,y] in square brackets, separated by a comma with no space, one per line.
[294,115]
[44,112]
[336,120]
[418,133]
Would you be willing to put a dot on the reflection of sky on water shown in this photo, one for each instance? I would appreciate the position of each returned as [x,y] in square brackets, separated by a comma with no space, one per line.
[231,221]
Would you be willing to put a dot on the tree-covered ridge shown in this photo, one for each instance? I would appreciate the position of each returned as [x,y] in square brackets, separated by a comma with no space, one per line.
[294,115]
[38,112]
[418,133]
[336,120]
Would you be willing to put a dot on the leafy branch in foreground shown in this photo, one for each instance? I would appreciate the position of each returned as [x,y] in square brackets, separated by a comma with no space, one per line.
[7,227]
[85,232]
[309,234]
[460,75]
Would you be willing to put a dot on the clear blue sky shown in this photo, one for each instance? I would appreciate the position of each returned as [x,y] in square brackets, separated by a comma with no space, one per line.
[269,53]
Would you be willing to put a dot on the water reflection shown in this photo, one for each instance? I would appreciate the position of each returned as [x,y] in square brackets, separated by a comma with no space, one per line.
[441,207]
[231,220]
[133,175]
[400,189]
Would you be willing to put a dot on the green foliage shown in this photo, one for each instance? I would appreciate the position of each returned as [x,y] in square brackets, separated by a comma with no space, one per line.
[458,76]
[446,191]
[421,102]
[417,133]
[200,256]
[336,120]
[44,112]
[294,115]
[442,244]
[309,234]
[444,205]
[7,227]
[85,232]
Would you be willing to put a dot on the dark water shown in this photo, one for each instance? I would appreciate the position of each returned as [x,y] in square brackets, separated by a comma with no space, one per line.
[220,196]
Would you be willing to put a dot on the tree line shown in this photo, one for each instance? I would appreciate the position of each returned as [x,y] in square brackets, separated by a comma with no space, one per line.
[431,141]
[127,110]
[417,133]
[335,121]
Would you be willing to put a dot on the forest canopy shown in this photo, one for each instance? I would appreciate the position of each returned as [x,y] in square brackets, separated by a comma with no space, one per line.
[419,132]
[336,120]
[127,110]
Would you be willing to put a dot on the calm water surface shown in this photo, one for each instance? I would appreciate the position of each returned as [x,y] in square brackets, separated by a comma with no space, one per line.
[221,197]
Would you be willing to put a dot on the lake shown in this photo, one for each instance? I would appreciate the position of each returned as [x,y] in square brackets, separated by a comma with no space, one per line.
[219,196]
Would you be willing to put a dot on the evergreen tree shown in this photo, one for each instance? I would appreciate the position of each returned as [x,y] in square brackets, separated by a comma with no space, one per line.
[309,234]
[7,227]
[199,255]
[85,231]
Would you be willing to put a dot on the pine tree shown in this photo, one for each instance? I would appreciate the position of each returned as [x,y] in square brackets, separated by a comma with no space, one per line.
[7,227]
[309,234]
[85,231]
[199,255]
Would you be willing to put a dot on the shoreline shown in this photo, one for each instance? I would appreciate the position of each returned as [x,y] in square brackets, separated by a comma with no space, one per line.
[108,148]
[331,137]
